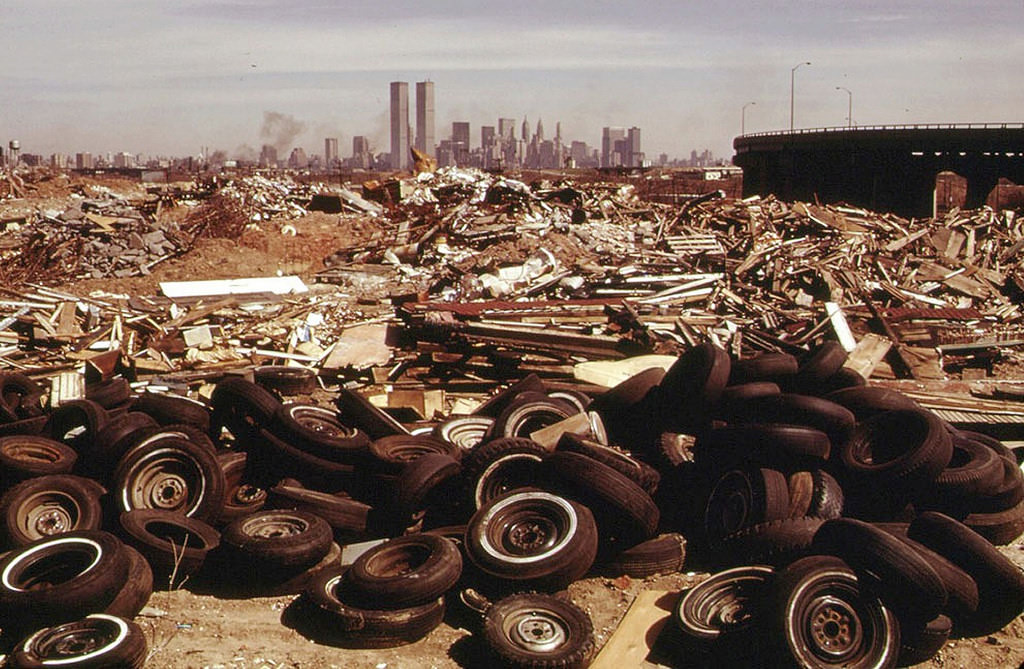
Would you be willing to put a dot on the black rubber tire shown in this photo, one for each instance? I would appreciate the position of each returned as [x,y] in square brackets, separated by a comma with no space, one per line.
[501,465]
[900,576]
[620,399]
[320,432]
[241,496]
[995,444]
[342,513]
[403,572]
[623,510]
[75,422]
[692,386]
[96,641]
[138,588]
[1000,581]
[427,484]
[921,643]
[664,554]
[24,457]
[180,430]
[497,403]
[60,578]
[815,493]
[278,539]
[175,546]
[961,588]
[286,380]
[776,543]
[465,432]
[639,472]
[242,407]
[19,397]
[741,498]
[362,414]
[817,367]
[793,409]
[49,505]
[734,398]
[272,458]
[391,454]
[819,615]
[974,470]
[113,440]
[110,393]
[171,409]
[1008,494]
[774,445]
[533,538]
[33,426]
[172,474]
[902,450]
[720,619]
[330,619]
[1000,527]
[768,367]
[867,401]
[538,631]
[530,412]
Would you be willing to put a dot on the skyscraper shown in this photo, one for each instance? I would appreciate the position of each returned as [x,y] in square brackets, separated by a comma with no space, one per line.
[425,140]
[399,125]
[330,151]
[609,136]
[460,141]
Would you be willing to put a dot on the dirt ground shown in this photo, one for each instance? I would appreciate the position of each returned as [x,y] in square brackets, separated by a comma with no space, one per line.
[192,630]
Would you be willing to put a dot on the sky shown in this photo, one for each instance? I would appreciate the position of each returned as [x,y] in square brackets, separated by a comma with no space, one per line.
[154,77]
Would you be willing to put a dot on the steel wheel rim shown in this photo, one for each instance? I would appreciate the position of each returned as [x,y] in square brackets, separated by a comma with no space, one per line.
[541,527]
[274,527]
[165,479]
[536,630]
[46,514]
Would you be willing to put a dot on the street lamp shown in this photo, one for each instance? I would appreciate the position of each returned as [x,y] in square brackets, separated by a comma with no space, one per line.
[743,118]
[792,77]
[849,113]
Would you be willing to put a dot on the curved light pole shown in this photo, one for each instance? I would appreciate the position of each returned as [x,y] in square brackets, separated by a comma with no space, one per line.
[792,77]
[849,113]
[743,118]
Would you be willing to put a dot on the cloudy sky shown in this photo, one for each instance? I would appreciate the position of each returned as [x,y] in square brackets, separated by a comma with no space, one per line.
[159,77]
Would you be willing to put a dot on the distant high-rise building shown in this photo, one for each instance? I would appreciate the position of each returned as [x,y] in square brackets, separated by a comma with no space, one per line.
[487,136]
[507,128]
[636,153]
[360,152]
[460,141]
[609,136]
[297,159]
[330,152]
[525,136]
[124,159]
[268,156]
[399,125]
[425,140]
[83,161]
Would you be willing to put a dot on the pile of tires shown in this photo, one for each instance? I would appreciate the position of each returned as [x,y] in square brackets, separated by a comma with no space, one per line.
[774,466]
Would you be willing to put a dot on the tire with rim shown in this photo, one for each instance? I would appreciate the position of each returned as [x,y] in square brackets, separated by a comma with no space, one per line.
[405,571]
[97,641]
[820,616]
[319,431]
[623,510]
[60,578]
[170,474]
[466,432]
[537,631]
[242,407]
[325,613]
[114,439]
[720,618]
[175,546]
[241,496]
[903,578]
[49,505]
[533,538]
[530,412]
[500,466]
[25,456]
[391,454]
[279,539]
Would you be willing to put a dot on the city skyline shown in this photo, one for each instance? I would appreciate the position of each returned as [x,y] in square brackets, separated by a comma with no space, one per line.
[168,78]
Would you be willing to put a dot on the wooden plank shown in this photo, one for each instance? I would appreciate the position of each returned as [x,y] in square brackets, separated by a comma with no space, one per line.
[870,351]
[631,643]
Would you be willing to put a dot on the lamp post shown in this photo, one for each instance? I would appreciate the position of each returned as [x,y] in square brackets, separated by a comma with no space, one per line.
[792,78]
[743,118]
[849,112]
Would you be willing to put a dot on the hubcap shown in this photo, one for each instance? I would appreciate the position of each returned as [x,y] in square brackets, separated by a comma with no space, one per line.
[538,631]
[834,628]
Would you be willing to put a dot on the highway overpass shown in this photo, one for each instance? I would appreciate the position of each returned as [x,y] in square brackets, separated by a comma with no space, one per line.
[884,168]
